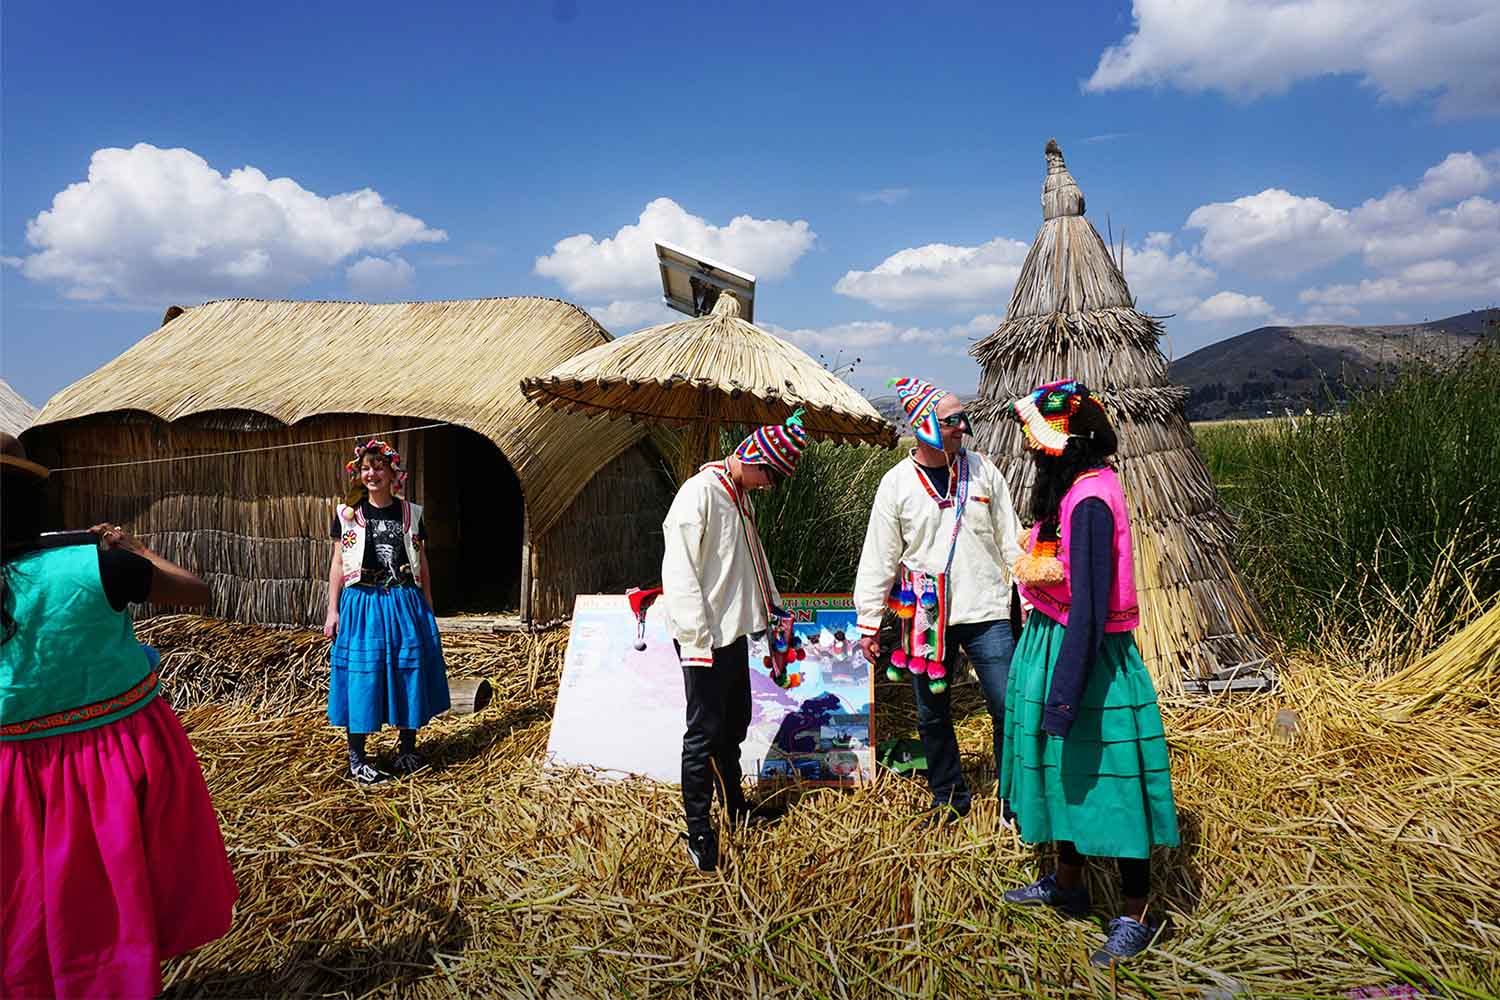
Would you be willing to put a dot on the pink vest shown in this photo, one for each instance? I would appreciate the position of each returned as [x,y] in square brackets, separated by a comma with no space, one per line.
[1054,600]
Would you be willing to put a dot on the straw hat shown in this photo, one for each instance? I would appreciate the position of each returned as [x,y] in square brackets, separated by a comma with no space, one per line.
[13,455]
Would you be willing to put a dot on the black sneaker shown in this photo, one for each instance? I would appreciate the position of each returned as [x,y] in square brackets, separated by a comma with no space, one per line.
[1046,892]
[750,816]
[365,773]
[407,764]
[1128,937]
[703,850]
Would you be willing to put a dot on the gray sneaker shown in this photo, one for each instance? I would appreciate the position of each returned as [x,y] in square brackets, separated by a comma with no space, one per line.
[407,764]
[1128,937]
[365,773]
[1046,892]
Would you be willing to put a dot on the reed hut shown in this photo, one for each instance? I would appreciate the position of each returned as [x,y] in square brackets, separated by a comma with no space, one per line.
[705,374]
[221,439]
[15,413]
[1071,315]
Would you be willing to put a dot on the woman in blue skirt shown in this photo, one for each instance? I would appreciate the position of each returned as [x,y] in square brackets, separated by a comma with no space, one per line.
[1084,760]
[386,660]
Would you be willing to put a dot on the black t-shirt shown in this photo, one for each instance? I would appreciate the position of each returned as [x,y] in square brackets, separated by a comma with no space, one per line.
[126,577]
[937,475]
[386,563]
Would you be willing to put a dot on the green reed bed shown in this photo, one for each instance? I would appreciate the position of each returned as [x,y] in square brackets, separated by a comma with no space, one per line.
[1383,507]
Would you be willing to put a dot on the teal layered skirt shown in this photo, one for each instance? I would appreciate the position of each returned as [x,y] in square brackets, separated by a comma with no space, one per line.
[1107,785]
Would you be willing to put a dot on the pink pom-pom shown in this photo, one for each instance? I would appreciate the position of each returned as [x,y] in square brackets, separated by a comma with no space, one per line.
[936,670]
[898,658]
[917,664]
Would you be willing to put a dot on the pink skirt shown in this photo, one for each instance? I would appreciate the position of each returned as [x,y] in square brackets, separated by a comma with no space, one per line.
[111,859]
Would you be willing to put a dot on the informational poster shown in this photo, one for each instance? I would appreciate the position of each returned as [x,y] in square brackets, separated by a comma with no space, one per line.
[621,710]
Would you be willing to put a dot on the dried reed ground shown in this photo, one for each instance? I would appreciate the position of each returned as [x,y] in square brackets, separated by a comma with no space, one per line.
[1365,852]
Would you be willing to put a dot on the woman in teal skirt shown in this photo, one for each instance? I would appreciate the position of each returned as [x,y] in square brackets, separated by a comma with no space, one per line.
[1084,758]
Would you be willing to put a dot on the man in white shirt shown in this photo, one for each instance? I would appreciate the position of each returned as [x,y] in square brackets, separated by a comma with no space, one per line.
[717,590]
[943,520]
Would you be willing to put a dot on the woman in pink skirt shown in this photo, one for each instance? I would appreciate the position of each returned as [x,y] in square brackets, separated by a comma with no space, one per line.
[111,859]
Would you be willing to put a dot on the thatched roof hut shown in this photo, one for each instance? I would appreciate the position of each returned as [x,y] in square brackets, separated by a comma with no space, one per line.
[526,507]
[1071,315]
[15,413]
[706,373]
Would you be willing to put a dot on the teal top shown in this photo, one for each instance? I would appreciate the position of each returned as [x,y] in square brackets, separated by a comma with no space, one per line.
[74,662]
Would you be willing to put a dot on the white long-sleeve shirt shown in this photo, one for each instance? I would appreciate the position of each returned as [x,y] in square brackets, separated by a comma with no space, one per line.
[715,579]
[909,525]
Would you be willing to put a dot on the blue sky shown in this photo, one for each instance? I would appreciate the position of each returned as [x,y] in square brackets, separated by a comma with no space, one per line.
[877,166]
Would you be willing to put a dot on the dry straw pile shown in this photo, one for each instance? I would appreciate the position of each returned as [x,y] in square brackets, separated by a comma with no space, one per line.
[1362,849]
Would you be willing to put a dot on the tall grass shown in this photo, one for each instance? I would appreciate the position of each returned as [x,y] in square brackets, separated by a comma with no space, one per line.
[1389,511]
[813,525]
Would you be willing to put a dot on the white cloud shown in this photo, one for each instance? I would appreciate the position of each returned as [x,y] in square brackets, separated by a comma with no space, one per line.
[1475,281]
[162,224]
[1231,305]
[1279,234]
[379,277]
[1163,281]
[888,342]
[885,196]
[1274,232]
[1403,49]
[939,274]
[626,262]
[628,315]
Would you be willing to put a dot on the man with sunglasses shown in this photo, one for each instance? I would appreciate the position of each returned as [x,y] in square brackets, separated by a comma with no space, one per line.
[717,590]
[943,520]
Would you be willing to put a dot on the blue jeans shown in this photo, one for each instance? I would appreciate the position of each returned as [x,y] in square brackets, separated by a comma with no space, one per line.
[989,646]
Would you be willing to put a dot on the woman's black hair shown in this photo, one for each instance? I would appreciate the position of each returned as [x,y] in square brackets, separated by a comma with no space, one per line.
[20,531]
[1055,475]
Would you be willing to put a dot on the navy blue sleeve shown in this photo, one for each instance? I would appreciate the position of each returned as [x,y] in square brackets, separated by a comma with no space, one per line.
[1091,562]
[126,577]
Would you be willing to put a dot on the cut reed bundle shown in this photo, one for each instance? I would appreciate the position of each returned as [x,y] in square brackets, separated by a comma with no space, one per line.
[1071,315]
[1464,671]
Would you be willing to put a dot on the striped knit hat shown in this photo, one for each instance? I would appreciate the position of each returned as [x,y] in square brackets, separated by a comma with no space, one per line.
[1051,414]
[920,398]
[777,445]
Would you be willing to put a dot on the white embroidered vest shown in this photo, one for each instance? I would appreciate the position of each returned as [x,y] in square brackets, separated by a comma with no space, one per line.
[352,540]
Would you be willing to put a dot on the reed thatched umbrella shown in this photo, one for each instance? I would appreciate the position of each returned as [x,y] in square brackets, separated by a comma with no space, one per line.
[15,413]
[1071,315]
[707,373]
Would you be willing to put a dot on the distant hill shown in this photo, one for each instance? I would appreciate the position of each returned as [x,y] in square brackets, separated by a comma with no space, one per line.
[890,408]
[1275,368]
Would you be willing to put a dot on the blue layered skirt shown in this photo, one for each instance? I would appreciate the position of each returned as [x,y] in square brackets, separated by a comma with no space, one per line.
[386,662]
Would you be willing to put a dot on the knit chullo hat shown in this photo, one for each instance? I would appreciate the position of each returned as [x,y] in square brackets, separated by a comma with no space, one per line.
[776,445]
[391,456]
[920,399]
[1051,414]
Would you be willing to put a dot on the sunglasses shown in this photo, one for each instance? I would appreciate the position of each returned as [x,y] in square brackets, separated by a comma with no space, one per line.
[959,419]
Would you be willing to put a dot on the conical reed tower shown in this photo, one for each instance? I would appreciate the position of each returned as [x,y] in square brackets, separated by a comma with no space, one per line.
[1071,315]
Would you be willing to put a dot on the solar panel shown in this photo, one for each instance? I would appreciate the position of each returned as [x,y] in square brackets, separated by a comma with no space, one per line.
[691,284]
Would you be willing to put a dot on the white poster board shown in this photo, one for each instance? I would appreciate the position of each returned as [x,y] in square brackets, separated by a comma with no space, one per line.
[621,711]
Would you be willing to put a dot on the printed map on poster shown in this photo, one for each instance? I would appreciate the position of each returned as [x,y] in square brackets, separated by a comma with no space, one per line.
[621,710]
